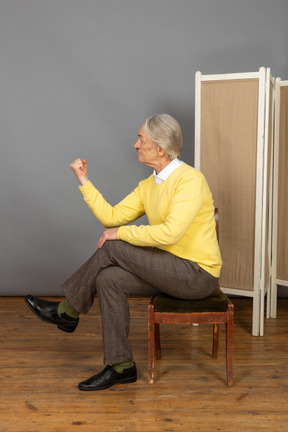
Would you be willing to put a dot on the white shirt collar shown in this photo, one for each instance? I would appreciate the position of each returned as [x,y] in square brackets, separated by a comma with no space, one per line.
[164,174]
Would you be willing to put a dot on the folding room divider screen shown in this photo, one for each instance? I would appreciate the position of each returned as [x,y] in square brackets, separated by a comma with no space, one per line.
[233,130]
[280,194]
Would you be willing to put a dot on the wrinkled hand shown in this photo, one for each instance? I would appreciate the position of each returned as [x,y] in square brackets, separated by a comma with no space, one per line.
[79,167]
[109,234]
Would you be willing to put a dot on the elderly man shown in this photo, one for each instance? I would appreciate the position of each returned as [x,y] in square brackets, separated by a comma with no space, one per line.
[177,253]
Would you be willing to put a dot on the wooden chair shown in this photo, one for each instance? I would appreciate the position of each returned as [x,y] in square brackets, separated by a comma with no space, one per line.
[215,309]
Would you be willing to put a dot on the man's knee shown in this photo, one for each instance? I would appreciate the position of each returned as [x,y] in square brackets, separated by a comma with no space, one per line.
[116,248]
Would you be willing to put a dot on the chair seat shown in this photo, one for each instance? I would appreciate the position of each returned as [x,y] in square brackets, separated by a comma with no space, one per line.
[216,302]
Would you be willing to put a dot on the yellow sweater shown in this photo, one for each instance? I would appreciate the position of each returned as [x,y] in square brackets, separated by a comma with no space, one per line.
[180,212]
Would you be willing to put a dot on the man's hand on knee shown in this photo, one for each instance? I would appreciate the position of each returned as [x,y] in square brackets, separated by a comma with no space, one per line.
[109,234]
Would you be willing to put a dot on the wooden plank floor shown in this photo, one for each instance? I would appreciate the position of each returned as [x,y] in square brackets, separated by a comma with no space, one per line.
[41,367]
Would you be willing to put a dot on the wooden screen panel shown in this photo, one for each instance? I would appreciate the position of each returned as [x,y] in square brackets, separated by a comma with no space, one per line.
[282,235]
[229,119]
[269,186]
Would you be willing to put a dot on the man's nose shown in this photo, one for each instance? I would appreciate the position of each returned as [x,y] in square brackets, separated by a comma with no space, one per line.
[136,145]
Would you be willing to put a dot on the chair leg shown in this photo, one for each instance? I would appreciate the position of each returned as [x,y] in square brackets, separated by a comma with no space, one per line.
[157,341]
[151,344]
[216,331]
[229,346]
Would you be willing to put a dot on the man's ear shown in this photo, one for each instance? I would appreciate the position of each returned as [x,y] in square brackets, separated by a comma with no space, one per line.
[161,151]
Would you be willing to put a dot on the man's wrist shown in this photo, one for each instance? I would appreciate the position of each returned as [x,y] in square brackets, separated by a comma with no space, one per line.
[83,180]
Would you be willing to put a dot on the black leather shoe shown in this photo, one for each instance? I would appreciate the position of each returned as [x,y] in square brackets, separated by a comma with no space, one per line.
[47,311]
[108,377]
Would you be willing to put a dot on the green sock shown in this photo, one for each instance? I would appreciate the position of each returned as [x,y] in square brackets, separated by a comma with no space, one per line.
[119,367]
[65,307]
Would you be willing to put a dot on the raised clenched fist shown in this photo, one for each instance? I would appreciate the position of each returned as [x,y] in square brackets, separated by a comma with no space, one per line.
[79,167]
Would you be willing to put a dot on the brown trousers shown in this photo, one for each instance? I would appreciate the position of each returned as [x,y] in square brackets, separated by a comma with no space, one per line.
[119,270]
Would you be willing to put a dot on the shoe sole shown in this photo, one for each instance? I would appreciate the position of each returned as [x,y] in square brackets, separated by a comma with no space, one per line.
[64,329]
[49,322]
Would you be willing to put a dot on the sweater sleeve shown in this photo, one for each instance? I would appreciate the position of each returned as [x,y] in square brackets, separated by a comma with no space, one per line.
[187,201]
[128,210]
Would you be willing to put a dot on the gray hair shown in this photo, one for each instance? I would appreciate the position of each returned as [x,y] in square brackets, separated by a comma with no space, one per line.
[164,131]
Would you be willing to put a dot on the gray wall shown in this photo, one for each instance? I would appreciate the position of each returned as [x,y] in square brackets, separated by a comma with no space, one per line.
[78,78]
